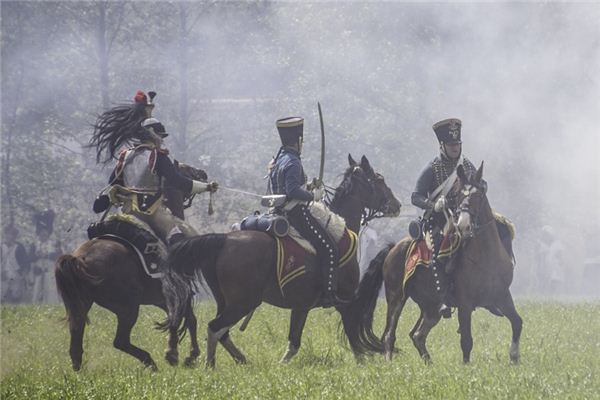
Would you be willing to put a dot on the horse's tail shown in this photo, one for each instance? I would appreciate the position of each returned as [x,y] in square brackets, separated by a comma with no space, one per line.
[363,306]
[189,259]
[71,281]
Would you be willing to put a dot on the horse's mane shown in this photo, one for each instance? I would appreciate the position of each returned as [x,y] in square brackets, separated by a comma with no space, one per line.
[116,127]
[342,190]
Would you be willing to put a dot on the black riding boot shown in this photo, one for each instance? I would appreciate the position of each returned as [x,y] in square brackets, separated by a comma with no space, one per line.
[442,286]
[327,251]
[440,278]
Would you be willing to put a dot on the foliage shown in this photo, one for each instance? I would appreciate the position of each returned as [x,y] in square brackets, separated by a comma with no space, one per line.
[560,358]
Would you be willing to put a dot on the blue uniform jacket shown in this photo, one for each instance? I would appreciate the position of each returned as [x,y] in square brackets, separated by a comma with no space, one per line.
[287,176]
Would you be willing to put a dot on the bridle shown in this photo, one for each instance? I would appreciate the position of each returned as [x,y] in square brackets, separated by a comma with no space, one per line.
[469,191]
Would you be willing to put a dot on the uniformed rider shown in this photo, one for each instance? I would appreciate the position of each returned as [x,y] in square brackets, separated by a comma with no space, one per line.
[431,195]
[287,177]
[143,170]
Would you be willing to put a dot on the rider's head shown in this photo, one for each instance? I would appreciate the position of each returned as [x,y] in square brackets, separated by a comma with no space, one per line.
[291,131]
[153,132]
[448,134]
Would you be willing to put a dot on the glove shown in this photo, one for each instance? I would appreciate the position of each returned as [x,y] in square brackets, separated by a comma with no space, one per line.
[200,187]
[213,186]
[440,204]
[318,194]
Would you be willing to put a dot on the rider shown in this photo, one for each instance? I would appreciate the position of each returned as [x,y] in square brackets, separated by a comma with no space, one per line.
[287,177]
[434,176]
[142,170]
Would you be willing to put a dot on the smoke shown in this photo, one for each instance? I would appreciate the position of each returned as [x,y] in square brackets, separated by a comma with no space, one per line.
[522,77]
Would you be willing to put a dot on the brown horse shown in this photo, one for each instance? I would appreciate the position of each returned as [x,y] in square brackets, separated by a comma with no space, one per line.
[109,273]
[240,268]
[482,274]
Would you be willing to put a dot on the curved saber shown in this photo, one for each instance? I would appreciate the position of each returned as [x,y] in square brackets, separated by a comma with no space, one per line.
[322,165]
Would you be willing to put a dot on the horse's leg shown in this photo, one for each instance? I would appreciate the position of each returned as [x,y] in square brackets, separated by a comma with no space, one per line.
[417,324]
[428,319]
[76,330]
[297,321]
[172,353]
[126,319]
[507,307]
[231,348]
[395,306]
[466,339]
[192,325]
[219,327]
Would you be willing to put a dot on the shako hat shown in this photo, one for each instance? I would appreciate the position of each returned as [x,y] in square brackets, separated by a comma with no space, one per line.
[290,129]
[448,130]
[44,219]
[156,126]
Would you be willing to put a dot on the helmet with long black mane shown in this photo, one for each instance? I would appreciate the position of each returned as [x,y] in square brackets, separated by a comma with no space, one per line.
[120,126]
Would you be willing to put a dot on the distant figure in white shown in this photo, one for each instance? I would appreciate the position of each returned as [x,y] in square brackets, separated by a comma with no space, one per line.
[369,246]
[552,262]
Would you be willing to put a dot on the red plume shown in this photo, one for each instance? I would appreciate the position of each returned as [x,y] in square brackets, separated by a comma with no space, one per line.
[140,97]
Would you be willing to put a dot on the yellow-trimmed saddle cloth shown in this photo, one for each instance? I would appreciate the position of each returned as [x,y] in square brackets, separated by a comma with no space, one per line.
[293,258]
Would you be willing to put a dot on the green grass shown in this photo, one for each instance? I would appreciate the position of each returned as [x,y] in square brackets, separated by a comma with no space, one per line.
[560,359]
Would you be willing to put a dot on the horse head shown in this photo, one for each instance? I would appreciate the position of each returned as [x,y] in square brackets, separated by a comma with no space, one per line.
[370,187]
[470,198]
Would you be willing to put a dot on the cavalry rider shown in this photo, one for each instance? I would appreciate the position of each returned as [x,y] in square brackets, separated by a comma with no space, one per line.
[430,196]
[287,177]
[144,169]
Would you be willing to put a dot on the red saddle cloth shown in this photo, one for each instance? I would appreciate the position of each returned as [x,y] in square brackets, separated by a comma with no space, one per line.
[292,258]
[419,254]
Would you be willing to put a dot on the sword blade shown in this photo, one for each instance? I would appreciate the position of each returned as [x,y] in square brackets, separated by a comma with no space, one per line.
[322,165]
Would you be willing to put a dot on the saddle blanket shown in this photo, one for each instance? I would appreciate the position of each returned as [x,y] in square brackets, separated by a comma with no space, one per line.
[137,235]
[419,254]
[293,258]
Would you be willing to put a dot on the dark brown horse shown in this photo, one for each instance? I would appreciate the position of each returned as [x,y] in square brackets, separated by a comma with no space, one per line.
[482,274]
[240,268]
[109,273]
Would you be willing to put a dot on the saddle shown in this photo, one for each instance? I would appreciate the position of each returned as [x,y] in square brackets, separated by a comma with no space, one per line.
[135,234]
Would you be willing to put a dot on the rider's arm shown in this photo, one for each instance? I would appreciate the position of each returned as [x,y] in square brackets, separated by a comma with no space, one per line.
[424,184]
[294,182]
[167,170]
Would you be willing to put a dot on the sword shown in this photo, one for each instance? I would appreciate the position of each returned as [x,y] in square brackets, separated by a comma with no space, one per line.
[322,165]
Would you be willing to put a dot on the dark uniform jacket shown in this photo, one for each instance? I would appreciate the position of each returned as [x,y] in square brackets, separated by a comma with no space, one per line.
[287,176]
[434,174]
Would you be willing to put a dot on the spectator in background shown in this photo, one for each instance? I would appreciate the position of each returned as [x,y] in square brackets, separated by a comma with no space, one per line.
[368,246]
[14,267]
[551,262]
[44,254]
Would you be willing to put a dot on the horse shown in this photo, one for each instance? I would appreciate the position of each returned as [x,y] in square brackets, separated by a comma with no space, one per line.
[109,273]
[482,272]
[240,268]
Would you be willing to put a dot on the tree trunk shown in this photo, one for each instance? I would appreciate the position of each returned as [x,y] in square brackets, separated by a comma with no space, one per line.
[102,54]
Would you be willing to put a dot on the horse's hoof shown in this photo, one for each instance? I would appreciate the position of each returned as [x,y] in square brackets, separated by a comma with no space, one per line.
[172,358]
[152,367]
[190,362]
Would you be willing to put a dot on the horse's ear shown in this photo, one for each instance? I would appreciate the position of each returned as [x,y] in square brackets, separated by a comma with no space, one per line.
[479,173]
[351,160]
[460,171]
[365,164]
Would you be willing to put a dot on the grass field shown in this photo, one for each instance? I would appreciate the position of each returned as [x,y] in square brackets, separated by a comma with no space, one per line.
[560,359]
